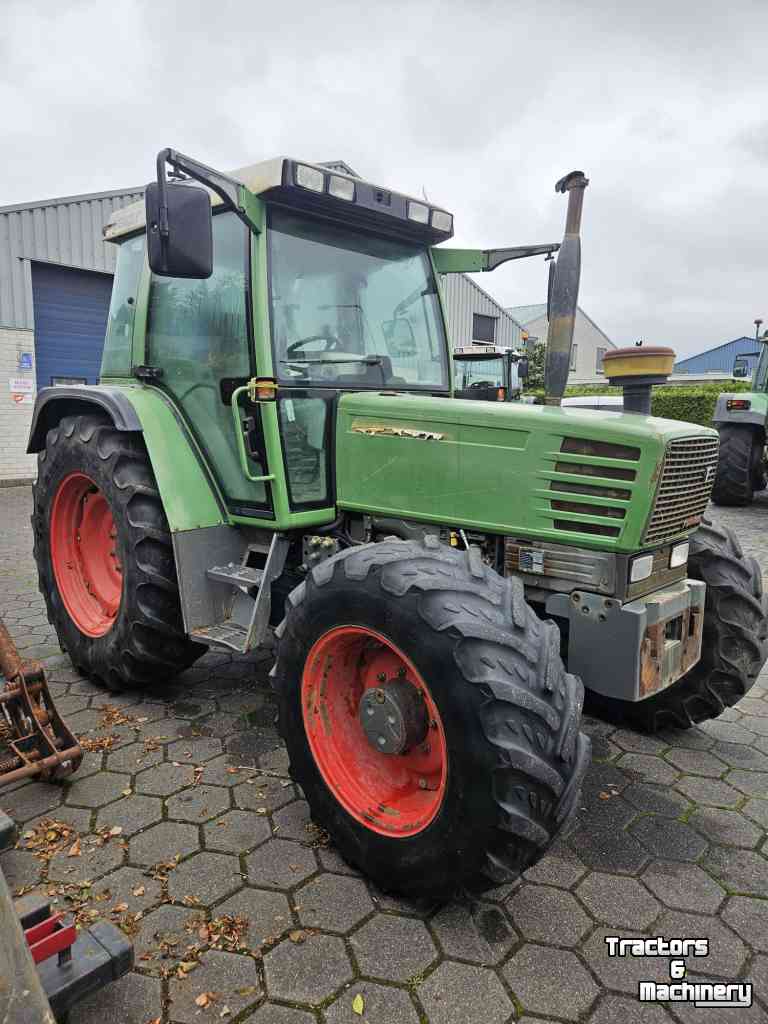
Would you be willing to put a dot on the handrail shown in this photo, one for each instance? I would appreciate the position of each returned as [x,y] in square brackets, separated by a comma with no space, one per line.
[244,460]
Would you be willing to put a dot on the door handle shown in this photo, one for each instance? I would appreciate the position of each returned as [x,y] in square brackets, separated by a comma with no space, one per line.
[240,438]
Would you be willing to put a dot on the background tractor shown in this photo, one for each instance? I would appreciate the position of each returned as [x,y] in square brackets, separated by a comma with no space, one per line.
[275,442]
[489,373]
[740,420]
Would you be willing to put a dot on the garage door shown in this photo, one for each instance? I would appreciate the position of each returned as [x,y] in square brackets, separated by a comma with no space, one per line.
[71,309]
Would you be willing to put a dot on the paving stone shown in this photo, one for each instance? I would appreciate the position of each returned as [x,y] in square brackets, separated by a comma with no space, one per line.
[210,876]
[123,883]
[309,971]
[31,800]
[457,993]
[688,1013]
[251,744]
[268,913]
[165,927]
[381,1005]
[663,837]
[619,901]
[470,930]
[331,860]
[656,799]
[727,954]
[133,758]
[20,868]
[691,739]
[742,871]
[229,974]
[192,708]
[560,866]
[696,762]
[749,919]
[333,903]
[280,864]
[736,755]
[683,886]
[131,813]
[132,999]
[264,793]
[221,772]
[393,948]
[194,750]
[293,822]
[638,742]
[550,981]
[198,804]
[756,724]
[543,914]
[749,782]
[622,974]
[78,818]
[757,810]
[237,831]
[608,849]
[618,1010]
[162,842]
[648,768]
[93,862]
[729,828]
[272,1013]
[728,732]
[412,906]
[164,779]
[711,792]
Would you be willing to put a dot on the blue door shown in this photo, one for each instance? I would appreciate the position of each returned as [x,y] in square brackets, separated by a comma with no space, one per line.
[71,309]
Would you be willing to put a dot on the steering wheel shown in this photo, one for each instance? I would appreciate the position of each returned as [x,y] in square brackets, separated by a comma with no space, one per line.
[482,384]
[296,346]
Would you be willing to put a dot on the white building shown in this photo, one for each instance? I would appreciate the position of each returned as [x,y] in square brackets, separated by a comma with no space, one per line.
[590,343]
[473,315]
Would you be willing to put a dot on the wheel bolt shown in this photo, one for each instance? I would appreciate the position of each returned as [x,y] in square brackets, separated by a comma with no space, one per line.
[382,677]
[380,697]
[422,783]
[401,672]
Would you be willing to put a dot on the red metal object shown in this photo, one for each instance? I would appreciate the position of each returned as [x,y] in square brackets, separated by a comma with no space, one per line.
[393,795]
[84,555]
[50,937]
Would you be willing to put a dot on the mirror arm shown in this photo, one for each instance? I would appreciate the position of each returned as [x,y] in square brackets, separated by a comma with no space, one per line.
[472,261]
[226,188]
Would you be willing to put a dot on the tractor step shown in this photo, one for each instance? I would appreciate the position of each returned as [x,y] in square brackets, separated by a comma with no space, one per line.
[236,575]
[224,634]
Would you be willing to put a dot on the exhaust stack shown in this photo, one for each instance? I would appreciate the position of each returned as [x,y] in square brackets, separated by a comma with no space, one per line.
[564,291]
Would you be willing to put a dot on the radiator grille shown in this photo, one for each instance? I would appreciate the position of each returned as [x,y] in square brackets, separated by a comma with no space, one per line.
[684,488]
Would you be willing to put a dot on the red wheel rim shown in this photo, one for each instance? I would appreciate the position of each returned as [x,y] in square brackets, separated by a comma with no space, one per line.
[84,555]
[396,795]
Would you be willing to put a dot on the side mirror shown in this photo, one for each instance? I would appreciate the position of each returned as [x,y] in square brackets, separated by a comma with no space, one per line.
[522,368]
[399,336]
[185,247]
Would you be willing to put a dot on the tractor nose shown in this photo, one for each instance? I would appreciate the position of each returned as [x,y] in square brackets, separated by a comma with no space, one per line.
[393,716]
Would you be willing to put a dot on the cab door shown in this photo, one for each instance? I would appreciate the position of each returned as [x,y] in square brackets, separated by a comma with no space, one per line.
[198,334]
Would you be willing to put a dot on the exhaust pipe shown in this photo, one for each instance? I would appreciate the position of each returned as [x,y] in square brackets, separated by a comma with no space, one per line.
[563,292]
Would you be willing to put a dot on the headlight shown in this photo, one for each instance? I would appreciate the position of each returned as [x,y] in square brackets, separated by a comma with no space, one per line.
[342,188]
[418,212]
[678,555]
[310,177]
[442,221]
[641,568]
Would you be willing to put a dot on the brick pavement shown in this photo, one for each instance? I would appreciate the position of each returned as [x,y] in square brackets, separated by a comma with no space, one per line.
[669,838]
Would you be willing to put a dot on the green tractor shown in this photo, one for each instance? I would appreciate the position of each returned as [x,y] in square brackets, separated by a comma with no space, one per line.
[275,443]
[740,419]
[488,373]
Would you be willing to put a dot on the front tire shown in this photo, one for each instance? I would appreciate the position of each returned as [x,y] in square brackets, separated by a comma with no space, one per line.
[507,716]
[104,557]
[733,647]
[740,468]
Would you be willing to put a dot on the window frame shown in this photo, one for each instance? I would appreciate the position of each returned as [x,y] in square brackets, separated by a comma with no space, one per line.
[574,357]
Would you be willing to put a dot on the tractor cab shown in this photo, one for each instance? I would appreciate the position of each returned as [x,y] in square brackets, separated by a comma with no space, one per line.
[489,373]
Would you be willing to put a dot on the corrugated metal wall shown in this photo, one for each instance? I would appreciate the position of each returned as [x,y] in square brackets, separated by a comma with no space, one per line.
[65,231]
[463,298]
[720,358]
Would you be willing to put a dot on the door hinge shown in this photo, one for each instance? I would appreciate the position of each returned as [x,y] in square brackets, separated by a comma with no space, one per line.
[148,373]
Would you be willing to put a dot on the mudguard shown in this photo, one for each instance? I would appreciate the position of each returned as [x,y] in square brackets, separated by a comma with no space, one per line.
[755,416]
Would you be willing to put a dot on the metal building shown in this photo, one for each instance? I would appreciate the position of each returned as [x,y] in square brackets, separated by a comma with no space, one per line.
[55,286]
[721,359]
[473,315]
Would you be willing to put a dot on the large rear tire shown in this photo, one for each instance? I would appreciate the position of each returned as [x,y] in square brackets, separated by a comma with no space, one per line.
[740,468]
[733,647]
[504,756]
[104,556]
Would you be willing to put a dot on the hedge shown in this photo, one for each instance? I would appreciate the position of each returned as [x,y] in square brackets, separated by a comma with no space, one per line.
[694,403]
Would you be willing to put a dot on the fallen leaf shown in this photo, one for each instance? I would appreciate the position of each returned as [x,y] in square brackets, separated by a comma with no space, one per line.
[358,1005]
[120,908]
[127,792]
[205,999]
[155,1020]
[604,796]
[225,1011]
[74,850]
[116,830]
[299,935]
[139,890]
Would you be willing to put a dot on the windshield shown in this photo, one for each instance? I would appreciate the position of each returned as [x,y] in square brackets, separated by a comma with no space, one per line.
[760,379]
[475,372]
[352,310]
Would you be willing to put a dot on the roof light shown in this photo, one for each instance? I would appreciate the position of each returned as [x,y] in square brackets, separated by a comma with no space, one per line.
[310,177]
[341,188]
[418,212]
[442,221]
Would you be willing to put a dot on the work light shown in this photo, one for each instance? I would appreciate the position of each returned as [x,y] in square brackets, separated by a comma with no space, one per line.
[679,555]
[418,212]
[442,221]
[310,177]
[641,568]
[341,188]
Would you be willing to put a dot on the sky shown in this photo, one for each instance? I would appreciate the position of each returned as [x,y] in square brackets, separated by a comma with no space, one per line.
[480,106]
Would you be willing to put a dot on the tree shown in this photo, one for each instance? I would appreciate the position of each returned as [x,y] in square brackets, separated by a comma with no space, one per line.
[536,359]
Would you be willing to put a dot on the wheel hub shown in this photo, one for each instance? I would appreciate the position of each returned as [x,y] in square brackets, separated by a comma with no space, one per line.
[393,716]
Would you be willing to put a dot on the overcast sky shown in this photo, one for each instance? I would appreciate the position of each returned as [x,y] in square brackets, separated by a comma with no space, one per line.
[482,105]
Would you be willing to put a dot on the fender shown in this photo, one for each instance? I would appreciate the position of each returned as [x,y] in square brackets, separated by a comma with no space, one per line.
[755,416]
[189,494]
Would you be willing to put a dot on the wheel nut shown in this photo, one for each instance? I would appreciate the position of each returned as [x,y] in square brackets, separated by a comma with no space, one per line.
[382,677]
[380,697]
[422,783]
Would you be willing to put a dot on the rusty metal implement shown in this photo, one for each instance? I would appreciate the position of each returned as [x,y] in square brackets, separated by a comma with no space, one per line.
[34,740]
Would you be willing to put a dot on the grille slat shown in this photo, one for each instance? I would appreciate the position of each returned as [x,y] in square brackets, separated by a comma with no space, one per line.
[684,488]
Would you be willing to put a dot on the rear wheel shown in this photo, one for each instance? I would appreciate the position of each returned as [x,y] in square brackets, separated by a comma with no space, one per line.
[733,647]
[104,556]
[740,466]
[428,716]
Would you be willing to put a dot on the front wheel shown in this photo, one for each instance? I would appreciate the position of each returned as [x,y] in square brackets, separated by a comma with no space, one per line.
[428,716]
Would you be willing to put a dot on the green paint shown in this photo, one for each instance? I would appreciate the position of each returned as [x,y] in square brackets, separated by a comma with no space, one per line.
[459,261]
[492,466]
[758,407]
